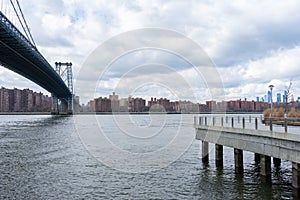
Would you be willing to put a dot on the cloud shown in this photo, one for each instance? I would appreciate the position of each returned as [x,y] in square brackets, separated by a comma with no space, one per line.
[252,43]
[253,78]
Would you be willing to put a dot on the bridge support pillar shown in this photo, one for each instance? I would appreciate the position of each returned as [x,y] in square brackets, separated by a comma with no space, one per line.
[265,168]
[296,179]
[238,161]
[65,72]
[54,109]
[70,105]
[204,152]
[63,106]
[219,155]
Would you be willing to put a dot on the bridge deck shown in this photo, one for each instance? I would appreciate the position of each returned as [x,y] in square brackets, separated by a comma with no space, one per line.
[20,56]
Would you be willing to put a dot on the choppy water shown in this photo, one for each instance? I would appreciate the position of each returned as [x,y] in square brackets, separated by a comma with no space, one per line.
[43,157]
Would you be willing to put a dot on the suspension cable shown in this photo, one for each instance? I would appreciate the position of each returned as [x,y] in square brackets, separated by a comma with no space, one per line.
[22,21]
[11,2]
[25,23]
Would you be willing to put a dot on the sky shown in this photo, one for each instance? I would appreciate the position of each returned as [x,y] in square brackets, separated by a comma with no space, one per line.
[189,50]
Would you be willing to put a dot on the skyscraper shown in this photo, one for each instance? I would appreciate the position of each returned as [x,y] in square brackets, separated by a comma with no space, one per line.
[269,96]
[278,98]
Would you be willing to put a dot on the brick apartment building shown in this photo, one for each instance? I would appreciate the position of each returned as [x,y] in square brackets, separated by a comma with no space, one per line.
[16,100]
[237,106]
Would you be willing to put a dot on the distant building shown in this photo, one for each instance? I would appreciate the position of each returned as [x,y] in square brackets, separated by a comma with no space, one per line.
[102,104]
[236,106]
[136,104]
[161,105]
[269,96]
[114,102]
[285,97]
[76,104]
[211,105]
[278,97]
[187,107]
[123,105]
[16,100]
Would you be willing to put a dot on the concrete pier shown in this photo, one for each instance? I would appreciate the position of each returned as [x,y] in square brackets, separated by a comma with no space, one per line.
[238,161]
[219,155]
[205,156]
[264,144]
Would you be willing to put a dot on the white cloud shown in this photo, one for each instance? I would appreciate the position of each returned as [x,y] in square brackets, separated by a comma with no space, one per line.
[253,43]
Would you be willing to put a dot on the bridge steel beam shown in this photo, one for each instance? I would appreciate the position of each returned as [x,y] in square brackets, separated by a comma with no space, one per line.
[64,70]
[20,56]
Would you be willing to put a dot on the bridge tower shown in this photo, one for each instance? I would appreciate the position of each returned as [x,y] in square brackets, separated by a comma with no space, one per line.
[66,104]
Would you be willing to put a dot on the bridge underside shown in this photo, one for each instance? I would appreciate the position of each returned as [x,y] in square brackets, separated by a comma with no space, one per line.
[20,56]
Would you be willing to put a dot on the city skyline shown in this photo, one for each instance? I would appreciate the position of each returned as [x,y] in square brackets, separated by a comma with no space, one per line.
[113,103]
[248,59]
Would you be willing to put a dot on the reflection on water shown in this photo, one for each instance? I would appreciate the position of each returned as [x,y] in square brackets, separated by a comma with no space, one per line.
[42,157]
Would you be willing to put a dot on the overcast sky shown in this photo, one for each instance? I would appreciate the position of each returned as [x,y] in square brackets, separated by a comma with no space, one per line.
[251,44]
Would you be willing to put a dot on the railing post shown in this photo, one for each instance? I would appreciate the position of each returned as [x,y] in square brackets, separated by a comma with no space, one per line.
[200,120]
[256,123]
[226,119]
[205,118]
[285,124]
[213,121]
[232,122]
[243,122]
[222,121]
[271,124]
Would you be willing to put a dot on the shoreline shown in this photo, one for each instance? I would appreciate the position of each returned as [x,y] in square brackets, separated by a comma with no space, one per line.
[125,113]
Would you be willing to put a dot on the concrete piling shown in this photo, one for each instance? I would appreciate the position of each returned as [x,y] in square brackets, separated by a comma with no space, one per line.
[265,168]
[296,180]
[205,155]
[238,161]
[219,155]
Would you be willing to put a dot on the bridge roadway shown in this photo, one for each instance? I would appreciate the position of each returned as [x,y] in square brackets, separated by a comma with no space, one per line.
[265,144]
[19,55]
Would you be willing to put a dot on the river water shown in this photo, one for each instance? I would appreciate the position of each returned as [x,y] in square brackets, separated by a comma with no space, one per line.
[56,157]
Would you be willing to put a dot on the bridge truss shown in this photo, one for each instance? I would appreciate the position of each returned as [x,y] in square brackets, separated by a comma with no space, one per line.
[20,55]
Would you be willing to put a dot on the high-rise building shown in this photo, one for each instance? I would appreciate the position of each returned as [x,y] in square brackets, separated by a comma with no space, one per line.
[15,100]
[269,96]
[123,105]
[102,104]
[285,97]
[136,104]
[114,102]
[278,98]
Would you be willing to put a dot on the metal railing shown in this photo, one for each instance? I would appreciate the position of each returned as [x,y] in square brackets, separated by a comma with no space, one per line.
[14,30]
[248,122]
